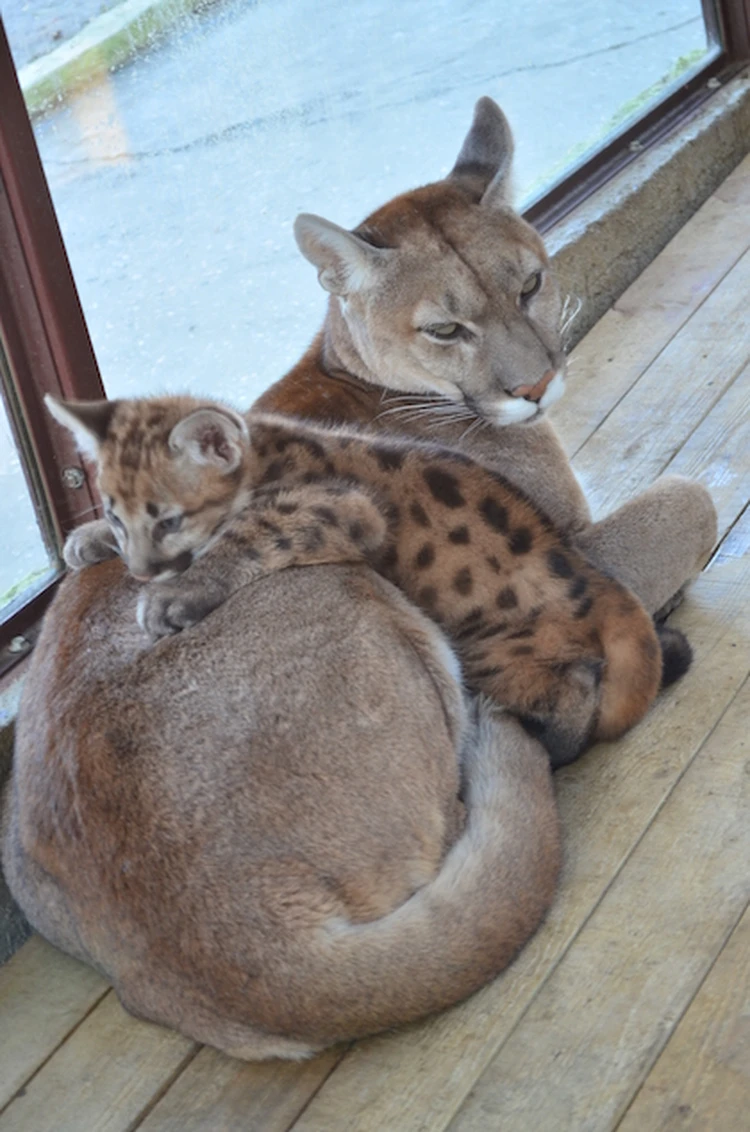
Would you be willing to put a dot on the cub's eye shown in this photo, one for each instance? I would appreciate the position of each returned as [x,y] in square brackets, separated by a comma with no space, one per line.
[168,525]
[531,286]
[444,331]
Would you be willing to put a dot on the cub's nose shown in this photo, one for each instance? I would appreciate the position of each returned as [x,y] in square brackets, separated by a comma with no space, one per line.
[535,392]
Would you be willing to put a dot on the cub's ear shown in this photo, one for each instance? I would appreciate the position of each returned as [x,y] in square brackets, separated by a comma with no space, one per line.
[217,437]
[486,156]
[346,263]
[89,421]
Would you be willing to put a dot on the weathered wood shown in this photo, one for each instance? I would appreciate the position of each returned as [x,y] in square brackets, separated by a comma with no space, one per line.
[43,996]
[614,354]
[418,1078]
[222,1095]
[102,1078]
[602,1018]
[702,1079]
[648,427]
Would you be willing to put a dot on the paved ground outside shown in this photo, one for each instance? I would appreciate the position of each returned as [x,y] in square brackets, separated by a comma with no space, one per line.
[177,177]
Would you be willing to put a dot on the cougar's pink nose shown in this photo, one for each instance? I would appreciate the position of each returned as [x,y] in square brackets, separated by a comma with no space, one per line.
[535,392]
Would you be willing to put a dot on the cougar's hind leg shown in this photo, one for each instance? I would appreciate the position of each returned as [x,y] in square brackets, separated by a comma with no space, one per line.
[657,542]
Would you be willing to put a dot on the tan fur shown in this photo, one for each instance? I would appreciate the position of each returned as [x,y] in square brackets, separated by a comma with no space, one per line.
[310,725]
[546,635]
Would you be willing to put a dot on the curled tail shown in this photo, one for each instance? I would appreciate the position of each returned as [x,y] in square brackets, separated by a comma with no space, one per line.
[458,931]
[676,654]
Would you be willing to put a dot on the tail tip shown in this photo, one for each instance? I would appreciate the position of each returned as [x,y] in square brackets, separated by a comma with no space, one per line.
[676,654]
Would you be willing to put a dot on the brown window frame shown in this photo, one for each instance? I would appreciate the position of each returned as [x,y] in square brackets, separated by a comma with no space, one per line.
[43,332]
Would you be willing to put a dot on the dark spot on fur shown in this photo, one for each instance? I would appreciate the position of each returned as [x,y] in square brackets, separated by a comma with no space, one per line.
[326,515]
[559,563]
[267,525]
[507,598]
[444,487]
[312,477]
[283,543]
[520,541]
[152,510]
[280,445]
[462,581]
[314,538]
[459,536]
[389,459]
[418,514]
[583,609]
[392,512]
[427,597]
[577,588]
[494,514]
[522,650]
[491,631]
[494,563]
[356,531]
[330,468]
[287,508]
[275,470]
[486,673]
[314,447]
[519,633]
[469,624]
[425,557]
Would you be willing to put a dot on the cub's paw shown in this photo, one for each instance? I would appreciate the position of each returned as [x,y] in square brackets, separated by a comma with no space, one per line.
[89,544]
[165,608]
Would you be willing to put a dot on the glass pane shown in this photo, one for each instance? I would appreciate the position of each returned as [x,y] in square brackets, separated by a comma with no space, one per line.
[178,173]
[26,564]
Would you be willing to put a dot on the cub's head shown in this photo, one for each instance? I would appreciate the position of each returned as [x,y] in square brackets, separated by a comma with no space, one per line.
[446,290]
[169,471]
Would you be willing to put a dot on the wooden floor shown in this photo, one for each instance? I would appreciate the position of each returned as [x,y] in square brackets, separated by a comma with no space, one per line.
[631,1007]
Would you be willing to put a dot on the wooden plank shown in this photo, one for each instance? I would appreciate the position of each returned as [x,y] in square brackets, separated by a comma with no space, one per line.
[614,354]
[702,1079]
[214,1092]
[43,995]
[717,452]
[418,1077]
[646,429]
[601,1020]
[102,1078]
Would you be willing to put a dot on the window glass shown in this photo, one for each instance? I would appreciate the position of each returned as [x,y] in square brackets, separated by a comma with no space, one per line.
[178,172]
[26,564]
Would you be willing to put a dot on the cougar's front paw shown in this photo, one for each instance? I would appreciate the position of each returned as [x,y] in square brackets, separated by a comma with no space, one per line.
[89,544]
[170,607]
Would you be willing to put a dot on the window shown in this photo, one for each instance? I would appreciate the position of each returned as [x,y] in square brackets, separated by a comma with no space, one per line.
[180,139]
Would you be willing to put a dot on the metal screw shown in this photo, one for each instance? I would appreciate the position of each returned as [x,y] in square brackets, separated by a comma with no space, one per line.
[73,477]
[19,644]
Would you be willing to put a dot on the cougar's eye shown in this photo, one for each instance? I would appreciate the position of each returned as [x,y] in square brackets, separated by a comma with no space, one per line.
[444,331]
[168,525]
[531,286]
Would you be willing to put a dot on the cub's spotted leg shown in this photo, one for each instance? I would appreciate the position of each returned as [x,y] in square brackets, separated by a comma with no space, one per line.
[282,527]
[88,544]
[555,699]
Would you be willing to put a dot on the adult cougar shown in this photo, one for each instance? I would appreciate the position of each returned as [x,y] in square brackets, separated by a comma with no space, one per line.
[245,827]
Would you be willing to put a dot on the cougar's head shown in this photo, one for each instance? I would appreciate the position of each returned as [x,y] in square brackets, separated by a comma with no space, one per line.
[446,290]
[169,471]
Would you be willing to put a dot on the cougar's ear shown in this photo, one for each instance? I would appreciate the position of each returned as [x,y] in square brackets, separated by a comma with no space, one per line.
[88,421]
[346,263]
[486,156]
[217,437]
